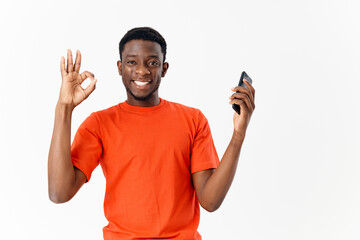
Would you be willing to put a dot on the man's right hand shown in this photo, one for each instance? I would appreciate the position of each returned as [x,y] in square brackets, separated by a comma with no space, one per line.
[64,180]
[71,92]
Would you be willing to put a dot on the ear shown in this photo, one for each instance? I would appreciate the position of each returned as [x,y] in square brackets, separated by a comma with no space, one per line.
[119,63]
[165,68]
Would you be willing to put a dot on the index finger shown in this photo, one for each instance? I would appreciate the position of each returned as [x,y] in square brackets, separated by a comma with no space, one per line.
[77,61]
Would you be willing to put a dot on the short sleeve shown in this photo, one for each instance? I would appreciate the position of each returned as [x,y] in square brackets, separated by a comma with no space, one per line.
[86,149]
[203,154]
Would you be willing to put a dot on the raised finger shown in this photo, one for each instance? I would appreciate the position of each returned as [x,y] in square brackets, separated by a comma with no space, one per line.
[77,61]
[69,67]
[62,66]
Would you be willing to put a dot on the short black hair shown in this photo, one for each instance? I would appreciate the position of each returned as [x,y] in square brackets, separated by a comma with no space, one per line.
[143,33]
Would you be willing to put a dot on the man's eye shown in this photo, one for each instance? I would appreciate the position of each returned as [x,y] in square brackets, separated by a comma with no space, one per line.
[154,63]
[131,62]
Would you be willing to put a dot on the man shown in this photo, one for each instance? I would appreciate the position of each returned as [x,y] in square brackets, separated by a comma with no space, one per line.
[158,157]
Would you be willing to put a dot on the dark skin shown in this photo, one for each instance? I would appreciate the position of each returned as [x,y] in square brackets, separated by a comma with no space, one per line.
[212,185]
[141,61]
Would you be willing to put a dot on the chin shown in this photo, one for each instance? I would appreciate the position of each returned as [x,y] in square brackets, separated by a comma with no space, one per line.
[141,98]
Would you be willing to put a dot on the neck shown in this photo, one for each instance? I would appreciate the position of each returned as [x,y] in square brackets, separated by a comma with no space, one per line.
[150,102]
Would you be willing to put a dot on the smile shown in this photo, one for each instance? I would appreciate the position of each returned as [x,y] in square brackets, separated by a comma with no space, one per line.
[139,83]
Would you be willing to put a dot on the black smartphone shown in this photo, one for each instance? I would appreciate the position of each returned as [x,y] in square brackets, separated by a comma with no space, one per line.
[242,84]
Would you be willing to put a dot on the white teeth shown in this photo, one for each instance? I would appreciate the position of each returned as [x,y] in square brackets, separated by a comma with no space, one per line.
[141,83]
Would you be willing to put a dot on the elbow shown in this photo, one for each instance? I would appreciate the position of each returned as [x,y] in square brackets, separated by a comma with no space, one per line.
[55,200]
[58,198]
[60,192]
[211,207]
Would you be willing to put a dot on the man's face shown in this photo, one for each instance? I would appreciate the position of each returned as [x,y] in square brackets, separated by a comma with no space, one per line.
[141,69]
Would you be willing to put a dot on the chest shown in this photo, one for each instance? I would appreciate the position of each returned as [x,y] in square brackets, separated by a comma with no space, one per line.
[148,142]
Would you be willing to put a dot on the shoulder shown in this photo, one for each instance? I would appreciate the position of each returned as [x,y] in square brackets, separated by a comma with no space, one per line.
[95,118]
[106,113]
[192,114]
[185,109]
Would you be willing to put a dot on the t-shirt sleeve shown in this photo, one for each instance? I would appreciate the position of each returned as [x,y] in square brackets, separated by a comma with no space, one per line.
[86,149]
[203,154]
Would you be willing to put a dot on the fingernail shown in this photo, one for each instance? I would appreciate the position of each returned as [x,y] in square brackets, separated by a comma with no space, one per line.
[233,88]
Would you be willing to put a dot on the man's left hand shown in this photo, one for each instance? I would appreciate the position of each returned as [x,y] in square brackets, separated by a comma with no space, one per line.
[244,97]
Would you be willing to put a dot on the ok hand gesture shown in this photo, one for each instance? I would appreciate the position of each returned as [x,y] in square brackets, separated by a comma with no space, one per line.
[71,92]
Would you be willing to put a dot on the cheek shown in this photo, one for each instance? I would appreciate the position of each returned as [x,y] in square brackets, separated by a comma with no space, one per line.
[127,71]
[157,73]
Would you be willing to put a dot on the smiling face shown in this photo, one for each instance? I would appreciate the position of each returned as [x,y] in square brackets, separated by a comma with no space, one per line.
[141,69]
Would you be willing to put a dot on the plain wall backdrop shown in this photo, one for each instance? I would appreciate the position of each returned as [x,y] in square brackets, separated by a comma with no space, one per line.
[298,174]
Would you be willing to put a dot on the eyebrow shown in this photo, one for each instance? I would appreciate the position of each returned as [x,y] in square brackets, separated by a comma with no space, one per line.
[134,55]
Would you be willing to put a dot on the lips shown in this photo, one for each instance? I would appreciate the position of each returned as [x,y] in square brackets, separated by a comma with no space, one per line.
[141,84]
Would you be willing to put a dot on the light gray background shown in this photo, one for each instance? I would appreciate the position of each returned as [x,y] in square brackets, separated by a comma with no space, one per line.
[298,175]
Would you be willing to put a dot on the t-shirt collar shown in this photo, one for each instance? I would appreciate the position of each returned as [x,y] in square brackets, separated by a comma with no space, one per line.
[125,105]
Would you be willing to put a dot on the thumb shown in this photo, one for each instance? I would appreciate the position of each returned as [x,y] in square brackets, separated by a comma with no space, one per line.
[89,89]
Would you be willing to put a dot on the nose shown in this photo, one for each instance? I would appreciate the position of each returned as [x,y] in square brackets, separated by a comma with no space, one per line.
[142,70]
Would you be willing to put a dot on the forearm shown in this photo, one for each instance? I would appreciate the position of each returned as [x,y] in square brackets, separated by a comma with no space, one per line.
[61,174]
[220,181]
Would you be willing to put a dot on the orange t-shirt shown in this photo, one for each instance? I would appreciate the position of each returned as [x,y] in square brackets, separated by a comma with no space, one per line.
[147,155]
